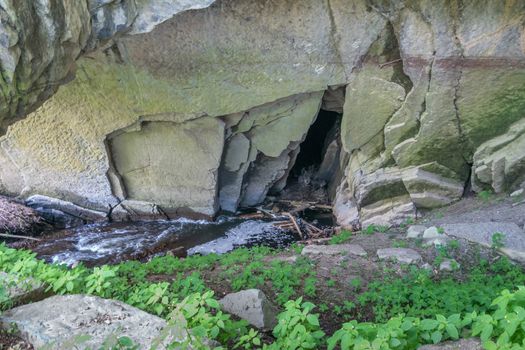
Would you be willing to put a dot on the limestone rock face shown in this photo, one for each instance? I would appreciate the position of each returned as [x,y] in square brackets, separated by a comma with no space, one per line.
[175,112]
[40,41]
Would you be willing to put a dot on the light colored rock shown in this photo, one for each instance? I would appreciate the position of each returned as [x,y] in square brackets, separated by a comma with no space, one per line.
[429,190]
[517,193]
[415,231]
[498,162]
[402,255]
[345,210]
[449,265]
[483,232]
[334,249]
[436,242]
[389,211]
[57,320]
[463,344]
[253,306]
[171,165]
[432,232]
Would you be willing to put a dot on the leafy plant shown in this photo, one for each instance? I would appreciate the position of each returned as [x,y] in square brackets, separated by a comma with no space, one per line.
[297,328]
[498,240]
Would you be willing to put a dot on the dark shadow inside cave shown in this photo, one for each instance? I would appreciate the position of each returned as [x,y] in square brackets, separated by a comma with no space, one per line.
[322,132]
[317,163]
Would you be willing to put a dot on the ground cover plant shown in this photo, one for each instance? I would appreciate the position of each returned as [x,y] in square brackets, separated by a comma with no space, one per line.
[395,309]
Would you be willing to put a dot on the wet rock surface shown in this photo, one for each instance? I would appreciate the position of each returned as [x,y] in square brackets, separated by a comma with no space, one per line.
[104,243]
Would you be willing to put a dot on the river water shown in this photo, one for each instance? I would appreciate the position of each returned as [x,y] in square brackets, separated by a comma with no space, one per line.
[107,243]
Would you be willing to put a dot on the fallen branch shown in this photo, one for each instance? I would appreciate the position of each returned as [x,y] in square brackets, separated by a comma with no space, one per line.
[295,225]
[7,235]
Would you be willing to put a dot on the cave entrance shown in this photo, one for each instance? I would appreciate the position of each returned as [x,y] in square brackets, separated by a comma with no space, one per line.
[316,166]
[313,150]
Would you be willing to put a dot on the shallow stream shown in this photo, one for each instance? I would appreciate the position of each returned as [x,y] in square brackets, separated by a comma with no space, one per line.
[106,243]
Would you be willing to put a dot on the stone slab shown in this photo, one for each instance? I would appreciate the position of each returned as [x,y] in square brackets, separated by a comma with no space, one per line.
[482,233]
[336,249]
[402,255]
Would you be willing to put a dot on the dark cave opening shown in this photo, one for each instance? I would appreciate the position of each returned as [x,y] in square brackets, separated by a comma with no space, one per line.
[315,146]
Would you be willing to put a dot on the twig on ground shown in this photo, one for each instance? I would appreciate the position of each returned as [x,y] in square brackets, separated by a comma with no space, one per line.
[7,235]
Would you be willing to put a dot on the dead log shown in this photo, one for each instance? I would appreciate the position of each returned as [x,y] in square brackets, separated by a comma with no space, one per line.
[7,235]
[297,228]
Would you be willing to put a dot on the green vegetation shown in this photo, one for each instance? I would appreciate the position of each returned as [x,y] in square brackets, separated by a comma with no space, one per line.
[371,229]
[498,240]
[391,311]
[485,195]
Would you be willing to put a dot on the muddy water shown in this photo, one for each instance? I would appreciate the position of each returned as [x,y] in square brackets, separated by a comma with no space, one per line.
[107,243]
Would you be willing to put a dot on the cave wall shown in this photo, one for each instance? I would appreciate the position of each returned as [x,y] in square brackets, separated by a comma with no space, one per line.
[434,98]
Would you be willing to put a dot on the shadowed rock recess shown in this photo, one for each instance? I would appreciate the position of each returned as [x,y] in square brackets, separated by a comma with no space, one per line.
[190,107]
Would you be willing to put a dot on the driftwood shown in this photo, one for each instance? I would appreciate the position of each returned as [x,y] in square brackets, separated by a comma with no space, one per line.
[7,235]
[297,228]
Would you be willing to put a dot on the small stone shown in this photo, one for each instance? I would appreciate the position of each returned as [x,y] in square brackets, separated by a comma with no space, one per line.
[426,266]
[253,306]
[336,249]
[436,242]
[448,265]
[432,232]
[463,344]
[402,255]
[290,259]
[517,193]
[415,231]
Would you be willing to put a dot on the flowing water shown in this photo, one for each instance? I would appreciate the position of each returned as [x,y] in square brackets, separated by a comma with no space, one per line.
[106,243]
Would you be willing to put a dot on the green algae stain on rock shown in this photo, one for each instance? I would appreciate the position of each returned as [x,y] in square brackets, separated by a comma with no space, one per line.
[490,101]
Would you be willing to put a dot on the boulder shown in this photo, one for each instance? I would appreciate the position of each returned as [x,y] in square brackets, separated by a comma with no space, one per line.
[499,163]
[334,249]
[58,320]
[415,231]
[253,306]
[432,232]
[449,265]
[512,239]
[402,255]
[463,344]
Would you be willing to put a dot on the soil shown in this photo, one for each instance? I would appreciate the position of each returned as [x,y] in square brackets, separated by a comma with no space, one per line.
[336,272]
[11,342]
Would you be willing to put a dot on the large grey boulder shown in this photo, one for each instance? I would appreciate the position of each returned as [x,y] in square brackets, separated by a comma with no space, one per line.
[253,306]
[333,249]
[512,239]
[402,255]
[56,321]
